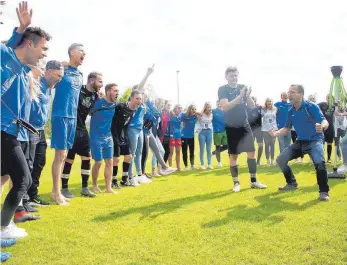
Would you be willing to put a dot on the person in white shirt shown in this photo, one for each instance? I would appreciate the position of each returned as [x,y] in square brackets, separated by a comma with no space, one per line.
[269,123]
[340,124]
[205,134]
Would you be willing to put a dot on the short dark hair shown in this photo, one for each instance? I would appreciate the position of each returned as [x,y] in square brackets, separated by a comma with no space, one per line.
[134,93]
[73,46]
[54,65]
[300,89]
[109,86]
[34,34]
[93,75]
[231,69]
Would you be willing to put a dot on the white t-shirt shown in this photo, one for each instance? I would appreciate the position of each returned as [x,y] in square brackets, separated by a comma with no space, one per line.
[205,122]
[269,120]
[340,122]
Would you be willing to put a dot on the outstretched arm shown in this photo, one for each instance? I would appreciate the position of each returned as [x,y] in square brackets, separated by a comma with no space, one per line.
[144,79]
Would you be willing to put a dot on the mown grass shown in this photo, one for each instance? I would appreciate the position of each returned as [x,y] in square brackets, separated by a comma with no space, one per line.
[191,218]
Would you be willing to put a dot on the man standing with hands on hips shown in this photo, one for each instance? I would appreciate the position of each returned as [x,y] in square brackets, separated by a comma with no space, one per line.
[309,124]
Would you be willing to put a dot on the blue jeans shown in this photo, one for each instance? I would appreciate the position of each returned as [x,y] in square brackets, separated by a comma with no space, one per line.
[161,150]
[343,145]
[205,137]
[284,141]
[136,146]
[315,149]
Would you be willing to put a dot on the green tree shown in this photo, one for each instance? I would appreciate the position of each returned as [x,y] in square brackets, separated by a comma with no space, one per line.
[125,96]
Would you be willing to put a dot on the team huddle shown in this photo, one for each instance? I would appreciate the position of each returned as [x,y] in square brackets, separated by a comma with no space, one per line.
[131,128]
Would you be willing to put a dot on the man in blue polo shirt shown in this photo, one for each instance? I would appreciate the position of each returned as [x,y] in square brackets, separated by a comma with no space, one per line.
[281,116]
[219,134]
[64,116]
[15,97]
[309,124]
[101,140]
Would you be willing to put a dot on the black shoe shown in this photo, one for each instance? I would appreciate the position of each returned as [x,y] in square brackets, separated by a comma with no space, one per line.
[116,186]
[37,201]
[29,208]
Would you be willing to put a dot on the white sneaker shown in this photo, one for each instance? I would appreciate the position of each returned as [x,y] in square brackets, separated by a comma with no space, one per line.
[258,185]
[143,179]
[133,182]
[188,169]
[268,163]
[273,163]
[220,165]
[210,167]
[236,188]
[13,232]
[203,167]
[168,171]
[342,168]
[301,160]
[12,224]
[155,174]
[295,161]
[193,167]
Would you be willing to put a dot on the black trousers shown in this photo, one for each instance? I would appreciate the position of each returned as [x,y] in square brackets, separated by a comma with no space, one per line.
[15,163]
[188,143]
[166,145]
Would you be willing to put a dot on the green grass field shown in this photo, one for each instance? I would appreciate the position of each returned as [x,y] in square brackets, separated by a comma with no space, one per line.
[191,218]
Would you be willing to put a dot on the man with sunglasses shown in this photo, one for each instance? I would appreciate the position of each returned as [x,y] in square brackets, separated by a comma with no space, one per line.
[309,124]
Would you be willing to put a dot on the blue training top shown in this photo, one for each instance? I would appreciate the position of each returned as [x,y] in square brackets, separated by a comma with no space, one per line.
[218,123]
[188,125]
[100,123]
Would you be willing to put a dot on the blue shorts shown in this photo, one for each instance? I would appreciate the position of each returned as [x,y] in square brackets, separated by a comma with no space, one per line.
[63,133]
[101,148]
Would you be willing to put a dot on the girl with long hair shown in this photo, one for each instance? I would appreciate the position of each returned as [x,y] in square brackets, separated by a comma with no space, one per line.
[189,120]
[205,134]
[269,123]
[174,127]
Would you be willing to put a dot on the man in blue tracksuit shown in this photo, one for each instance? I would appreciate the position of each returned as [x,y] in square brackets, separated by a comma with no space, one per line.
[282,111]
[64,116]
[309,124]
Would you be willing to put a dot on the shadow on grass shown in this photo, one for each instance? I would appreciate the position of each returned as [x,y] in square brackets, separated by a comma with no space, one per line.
[270,205]
[160,208]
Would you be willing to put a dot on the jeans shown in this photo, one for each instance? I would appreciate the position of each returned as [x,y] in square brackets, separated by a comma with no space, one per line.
[205,137]
[12,157]
[188,143]
[161,151]
[343,144]
[340,134]
[136,146]
[284,141]
[315,149]
[37,160]
[269,145]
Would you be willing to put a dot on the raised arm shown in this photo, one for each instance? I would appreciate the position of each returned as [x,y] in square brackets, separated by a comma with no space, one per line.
[144,79]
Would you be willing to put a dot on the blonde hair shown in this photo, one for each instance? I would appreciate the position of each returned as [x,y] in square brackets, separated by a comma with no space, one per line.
[205,107]
[266,100]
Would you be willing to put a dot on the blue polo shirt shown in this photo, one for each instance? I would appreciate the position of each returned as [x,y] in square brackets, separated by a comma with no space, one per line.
[137,121]
[175,126]
[188,125]
[218,121]
[67,92]
[40,109]
[282,113]
[100,122]
[14,91]
[304,120]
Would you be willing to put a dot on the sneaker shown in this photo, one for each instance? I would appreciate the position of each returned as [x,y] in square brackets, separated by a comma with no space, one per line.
[37,201]
[268,163]
[258,185]
[21,217]
[295,161]
[13,232]
[12,224]
[288,187]
[67,194]
[329,161]
[210,167]
[86,192]
[5,256]
[220,165]
[237,188]
[28,208]
[144,180]
[301,160]
[342,168]
[324,196]
[193,167]
[168,171]
[188,169]
[132,182]
[203,167]
[8,243]
[273,163]
[155,174]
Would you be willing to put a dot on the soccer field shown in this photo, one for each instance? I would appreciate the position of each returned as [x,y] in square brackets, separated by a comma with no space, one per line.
[191,218]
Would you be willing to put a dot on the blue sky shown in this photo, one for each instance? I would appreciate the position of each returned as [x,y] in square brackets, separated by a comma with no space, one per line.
[273,43]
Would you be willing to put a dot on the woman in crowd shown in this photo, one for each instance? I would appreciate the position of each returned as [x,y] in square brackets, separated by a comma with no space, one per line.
[205,135]
[174,130]
[189,120]
[269,123]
